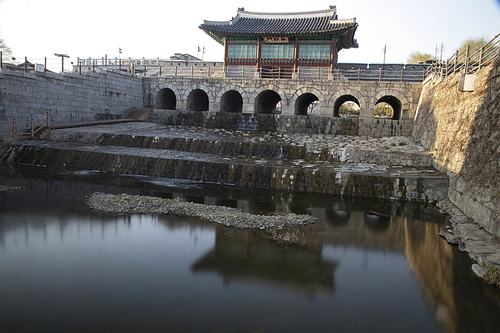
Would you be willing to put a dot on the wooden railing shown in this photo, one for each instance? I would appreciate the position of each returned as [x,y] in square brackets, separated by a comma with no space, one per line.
[24,129]
[463,61]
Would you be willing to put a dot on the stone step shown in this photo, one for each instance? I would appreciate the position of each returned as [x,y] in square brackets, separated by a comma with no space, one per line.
[351,179]
[310,148]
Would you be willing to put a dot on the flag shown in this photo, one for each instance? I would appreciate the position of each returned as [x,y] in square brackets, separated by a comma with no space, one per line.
[203,49]
[199,48]
[120,50]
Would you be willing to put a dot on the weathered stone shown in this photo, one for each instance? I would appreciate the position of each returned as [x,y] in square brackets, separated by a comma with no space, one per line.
[480,271]
[450,238]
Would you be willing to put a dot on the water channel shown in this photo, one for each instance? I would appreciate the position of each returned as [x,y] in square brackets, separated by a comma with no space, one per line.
[67,268]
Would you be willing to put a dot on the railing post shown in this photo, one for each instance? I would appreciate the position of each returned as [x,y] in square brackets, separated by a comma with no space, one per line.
[1,59]
[48,118]
[319,72]
[481,56]
[175,70]
[208,71]
[359,74]
[456,62]
[26,64]
[402,73]
[160,70]
[192,70]
[32,128]
[338,73]
[14,128]
[80,65]
[467,59]
[380,75]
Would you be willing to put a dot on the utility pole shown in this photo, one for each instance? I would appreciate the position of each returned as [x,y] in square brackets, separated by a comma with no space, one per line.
[62,59]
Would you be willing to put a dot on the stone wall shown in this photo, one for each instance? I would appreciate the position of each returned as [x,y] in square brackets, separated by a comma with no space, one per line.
[374,127]
[463,131]
[70,97]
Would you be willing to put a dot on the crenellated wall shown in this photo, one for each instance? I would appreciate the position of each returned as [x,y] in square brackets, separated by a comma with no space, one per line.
[463,130]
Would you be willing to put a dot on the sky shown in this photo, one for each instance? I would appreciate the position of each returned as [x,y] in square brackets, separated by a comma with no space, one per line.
[160,28]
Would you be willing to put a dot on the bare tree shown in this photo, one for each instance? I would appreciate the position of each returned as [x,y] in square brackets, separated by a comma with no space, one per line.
[6,51]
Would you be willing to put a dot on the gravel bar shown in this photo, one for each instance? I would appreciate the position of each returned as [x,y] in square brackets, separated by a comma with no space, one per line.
[230,217]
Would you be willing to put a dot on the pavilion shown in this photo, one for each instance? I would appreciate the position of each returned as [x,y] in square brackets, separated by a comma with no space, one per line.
[280,44]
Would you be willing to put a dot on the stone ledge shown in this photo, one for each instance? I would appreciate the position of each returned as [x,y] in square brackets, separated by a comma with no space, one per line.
[482,246]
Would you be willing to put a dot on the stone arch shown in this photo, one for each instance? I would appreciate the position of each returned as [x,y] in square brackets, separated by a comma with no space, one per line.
[394,98]
[267,97]
[197,97]
[231,98]
[341,100]
[345,95]
[165,85]
[231,101]
[267,101]
[197,100]
[166,99]
[272,87]
[304,97]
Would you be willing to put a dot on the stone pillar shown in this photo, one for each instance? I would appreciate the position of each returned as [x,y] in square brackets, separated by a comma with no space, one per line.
[365,113]
[325,111]
[288,110]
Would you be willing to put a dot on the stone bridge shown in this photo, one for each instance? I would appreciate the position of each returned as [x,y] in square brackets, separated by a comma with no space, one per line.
[279,96]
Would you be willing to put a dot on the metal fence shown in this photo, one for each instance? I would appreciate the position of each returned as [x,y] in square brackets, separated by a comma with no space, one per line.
[463,61]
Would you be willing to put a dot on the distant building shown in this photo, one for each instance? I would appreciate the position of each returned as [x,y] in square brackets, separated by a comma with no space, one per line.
[283,42]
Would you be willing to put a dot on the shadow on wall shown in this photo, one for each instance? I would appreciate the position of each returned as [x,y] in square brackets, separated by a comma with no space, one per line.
[463,131]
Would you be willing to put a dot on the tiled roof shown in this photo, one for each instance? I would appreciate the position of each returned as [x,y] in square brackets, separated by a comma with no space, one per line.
[281,24]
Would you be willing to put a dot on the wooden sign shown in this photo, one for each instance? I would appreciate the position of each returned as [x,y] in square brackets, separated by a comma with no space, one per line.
[276,40]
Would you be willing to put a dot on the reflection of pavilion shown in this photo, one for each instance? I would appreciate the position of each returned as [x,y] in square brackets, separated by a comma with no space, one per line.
[245,255]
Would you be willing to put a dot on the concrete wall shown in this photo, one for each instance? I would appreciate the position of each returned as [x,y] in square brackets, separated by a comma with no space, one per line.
[70,97]
[463,131]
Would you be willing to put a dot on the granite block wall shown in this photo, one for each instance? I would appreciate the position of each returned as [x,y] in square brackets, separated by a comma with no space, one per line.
[70,97]
[462,128]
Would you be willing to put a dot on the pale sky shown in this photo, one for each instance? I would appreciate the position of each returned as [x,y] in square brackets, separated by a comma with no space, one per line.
[156,28]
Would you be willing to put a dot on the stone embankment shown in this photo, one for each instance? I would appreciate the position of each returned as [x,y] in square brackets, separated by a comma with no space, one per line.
[395,168]
[462,129]
[469,236]
[230,217]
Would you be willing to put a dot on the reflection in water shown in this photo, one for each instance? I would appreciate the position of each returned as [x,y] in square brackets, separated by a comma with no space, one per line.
[64,267]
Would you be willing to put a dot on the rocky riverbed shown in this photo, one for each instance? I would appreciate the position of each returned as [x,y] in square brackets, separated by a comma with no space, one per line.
[231,217]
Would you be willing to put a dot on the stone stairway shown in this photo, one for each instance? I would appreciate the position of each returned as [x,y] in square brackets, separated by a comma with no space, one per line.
[386,168]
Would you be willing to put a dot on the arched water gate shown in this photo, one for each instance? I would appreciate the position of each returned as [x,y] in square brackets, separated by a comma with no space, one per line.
[197,100]
[166,99]
[304,103]
[267,102]
[284,96]
[231,101]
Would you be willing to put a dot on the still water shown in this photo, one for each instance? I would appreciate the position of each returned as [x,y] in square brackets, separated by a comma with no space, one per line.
[66,268]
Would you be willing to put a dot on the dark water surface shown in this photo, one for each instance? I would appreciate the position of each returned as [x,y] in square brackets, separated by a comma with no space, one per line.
[66,268]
